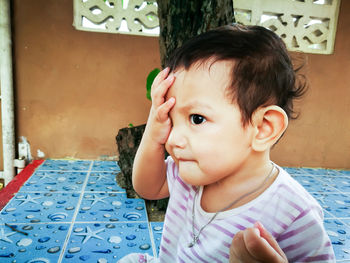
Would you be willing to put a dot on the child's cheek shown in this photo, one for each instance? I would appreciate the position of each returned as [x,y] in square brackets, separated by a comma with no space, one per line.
[170,152]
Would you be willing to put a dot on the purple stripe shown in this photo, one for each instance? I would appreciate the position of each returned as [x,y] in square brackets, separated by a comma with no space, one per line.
[223,230]
[238,226]
[166,240]
[180,195]
[305,258]
[302,214]
[249,219]
[301,243]
[273,218]
[184,253]
[170,231]
[299,257]
[165,251]
[185,198]
[287,214]
[262,213]
[181,206]
[296,231]
[225,255]
[266,215]
[226,244]
[280,224]
[185,186]
[284,198]
[276,219]
[175,169]
[170,219]
[204,249]
[176,213]
[255,210]
[197,256]
[319,257]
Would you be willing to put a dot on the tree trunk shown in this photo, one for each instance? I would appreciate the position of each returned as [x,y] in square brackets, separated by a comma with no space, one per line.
[128,141]
[181,20]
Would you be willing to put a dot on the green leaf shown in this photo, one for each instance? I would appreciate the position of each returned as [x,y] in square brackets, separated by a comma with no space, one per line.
[150,78]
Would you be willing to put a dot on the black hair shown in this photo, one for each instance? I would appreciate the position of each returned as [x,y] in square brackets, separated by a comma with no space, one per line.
[262,71]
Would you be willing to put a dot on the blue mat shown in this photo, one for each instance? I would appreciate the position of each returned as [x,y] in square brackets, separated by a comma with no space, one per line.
[73,211]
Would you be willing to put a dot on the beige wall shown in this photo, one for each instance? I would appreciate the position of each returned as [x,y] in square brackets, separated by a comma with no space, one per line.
[321,137]
[75,90]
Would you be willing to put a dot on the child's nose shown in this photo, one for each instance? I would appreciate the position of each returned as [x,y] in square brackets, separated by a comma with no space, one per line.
[176,138]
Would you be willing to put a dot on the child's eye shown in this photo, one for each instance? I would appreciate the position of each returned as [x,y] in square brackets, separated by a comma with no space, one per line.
[197,119]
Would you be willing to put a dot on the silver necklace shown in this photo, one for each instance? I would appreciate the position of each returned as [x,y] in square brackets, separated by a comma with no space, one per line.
[195,237]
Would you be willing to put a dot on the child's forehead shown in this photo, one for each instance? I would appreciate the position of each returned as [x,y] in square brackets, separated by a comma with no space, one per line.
[212,78]
[217,73]
[210,65]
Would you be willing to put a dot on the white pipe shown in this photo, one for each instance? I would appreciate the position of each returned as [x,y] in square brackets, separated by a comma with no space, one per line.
[6,84]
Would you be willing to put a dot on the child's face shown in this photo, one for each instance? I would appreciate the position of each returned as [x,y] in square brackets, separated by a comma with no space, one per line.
[207,140]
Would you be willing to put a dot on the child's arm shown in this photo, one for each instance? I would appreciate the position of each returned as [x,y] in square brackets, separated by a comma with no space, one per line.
[256,245]
[149,170]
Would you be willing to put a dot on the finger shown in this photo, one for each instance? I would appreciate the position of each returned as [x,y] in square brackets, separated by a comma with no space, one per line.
[163,110]
[270,239]
[259,248]
[238,249]
[161,76]
[158,94]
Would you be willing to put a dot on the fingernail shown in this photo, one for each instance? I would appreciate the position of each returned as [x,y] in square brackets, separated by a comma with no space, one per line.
[257,231]
[259,225]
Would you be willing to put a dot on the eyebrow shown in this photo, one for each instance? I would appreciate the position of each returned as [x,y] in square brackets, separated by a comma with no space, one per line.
[195,104]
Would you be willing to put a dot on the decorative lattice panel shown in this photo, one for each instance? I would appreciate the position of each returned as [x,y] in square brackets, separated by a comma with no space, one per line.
[136,17]
[304,25]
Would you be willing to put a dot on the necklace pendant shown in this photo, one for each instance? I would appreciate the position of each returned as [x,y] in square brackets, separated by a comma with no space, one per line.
[193,242]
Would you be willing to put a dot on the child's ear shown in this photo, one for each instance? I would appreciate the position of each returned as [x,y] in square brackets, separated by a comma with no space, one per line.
[269,124]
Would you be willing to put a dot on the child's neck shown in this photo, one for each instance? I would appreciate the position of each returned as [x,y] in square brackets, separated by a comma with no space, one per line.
[220,194]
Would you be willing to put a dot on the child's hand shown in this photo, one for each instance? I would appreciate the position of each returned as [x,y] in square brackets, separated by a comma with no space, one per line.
[159,123]
[256,245]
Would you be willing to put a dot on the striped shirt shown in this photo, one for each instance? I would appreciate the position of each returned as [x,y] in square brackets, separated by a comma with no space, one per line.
[285,209]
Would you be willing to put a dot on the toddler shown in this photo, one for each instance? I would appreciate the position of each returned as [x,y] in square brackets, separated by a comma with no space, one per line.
[221,104]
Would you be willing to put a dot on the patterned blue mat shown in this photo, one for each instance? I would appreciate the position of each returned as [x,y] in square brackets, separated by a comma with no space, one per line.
[73,211]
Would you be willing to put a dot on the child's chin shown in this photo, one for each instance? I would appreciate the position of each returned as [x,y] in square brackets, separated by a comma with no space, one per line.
[191,178]
[189,181]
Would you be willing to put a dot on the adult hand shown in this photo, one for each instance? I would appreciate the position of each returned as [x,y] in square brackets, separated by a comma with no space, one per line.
[256,245]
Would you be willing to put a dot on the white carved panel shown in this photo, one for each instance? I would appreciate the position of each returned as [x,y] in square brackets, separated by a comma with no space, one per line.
[304,25]
[136,17]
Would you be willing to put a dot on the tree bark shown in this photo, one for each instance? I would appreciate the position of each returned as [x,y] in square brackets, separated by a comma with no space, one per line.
[128,141]
[181,20]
